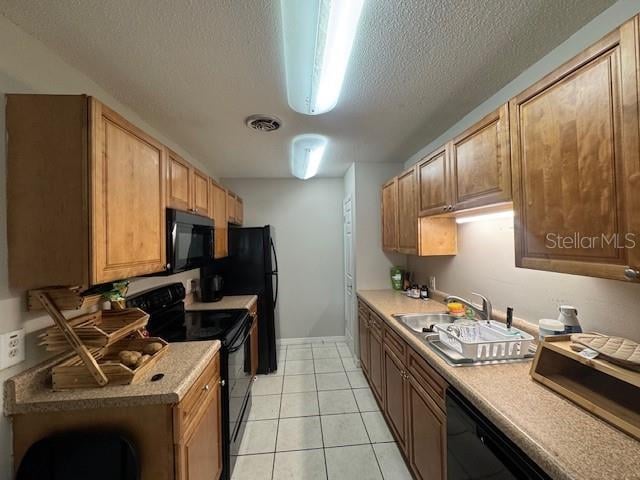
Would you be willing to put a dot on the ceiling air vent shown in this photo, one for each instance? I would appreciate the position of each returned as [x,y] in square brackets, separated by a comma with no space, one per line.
[263,123]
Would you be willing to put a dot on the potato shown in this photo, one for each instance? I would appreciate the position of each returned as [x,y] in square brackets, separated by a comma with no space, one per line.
[151,348]
[129,358]
[142,359]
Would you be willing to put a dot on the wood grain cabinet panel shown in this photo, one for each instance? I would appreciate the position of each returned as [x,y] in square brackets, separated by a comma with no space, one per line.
[178,182]
[201,203]
[219,213]
[376,368]
[481,163]
[390,215]
[427,434]
[408,213]
[433,180]
[363,332]
[128,198]
[199,456]
[395,395]
[576,163]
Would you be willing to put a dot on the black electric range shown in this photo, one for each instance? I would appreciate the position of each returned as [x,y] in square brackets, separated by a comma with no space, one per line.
[169,320]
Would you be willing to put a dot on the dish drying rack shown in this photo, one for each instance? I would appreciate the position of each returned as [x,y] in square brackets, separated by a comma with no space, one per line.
[96,338]
[485,340]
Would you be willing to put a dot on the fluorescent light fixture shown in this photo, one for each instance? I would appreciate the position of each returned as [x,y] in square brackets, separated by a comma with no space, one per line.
[306,155]
[485,216]
[318,38]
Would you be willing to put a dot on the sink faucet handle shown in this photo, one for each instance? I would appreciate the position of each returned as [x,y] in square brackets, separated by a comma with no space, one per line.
[486,305]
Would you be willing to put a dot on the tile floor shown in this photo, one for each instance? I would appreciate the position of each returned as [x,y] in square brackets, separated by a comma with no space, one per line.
[316,418]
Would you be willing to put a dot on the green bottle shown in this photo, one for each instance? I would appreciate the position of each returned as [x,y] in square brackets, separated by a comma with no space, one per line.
[396,278]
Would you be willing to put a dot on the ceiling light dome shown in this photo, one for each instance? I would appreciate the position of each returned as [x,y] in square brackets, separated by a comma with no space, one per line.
[318,38]
[306,155]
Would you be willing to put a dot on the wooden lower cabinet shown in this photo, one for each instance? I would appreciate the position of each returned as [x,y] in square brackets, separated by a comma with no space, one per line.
[375,359]
[395,400]
[181,441]
[411,395]
[199,456]
[363,329]
[427,434]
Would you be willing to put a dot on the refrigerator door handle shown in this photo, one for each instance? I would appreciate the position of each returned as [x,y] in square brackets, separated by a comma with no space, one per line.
[275,256]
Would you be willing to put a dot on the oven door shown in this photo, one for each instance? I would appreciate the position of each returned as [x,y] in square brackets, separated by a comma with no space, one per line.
[240,381]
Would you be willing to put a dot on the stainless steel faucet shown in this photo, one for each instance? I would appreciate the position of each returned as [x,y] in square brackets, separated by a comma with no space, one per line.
[486,312]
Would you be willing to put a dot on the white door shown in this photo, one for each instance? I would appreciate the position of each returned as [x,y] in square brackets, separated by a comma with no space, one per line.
[349,295]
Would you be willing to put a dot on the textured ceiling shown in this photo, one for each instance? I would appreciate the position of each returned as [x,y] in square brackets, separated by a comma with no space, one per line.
[195,69]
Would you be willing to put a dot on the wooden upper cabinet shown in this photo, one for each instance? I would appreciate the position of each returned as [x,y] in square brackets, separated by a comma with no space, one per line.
[179,191]
[408,213]
[127,198]
[231,207]
[576,163]
[218,196]
[433,180]
[187,187]
[201,203]
[390,215]
[85,194]
[481,163]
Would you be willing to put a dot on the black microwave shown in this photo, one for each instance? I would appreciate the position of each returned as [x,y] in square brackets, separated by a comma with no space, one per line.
[189,241]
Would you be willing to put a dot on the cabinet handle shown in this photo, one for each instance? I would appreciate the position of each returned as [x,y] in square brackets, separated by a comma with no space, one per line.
[631,273]
[444,209]
[451,208]
[206,388]
[223,383]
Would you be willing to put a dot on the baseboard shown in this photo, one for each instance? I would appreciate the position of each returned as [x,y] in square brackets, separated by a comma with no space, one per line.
[309,340]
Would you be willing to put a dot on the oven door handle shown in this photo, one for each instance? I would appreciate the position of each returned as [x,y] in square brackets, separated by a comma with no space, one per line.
[239,345]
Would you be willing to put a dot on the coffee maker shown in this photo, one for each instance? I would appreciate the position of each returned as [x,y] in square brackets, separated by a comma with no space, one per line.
[211,288]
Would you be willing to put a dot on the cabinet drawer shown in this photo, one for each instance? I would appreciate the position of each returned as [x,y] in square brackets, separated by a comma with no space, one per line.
[395,344]
[428,378]
[187,411]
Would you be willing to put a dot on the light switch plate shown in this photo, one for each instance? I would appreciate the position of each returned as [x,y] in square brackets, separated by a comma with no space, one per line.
[11,348]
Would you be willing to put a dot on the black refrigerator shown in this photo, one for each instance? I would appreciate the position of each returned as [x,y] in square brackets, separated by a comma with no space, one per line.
[252,268]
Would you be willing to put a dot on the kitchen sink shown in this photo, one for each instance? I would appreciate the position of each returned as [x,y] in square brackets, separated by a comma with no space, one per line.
[421,325]
[423,322]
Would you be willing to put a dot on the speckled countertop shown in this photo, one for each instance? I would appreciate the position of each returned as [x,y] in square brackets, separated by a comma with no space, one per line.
[227,302]
[565,440]
[30,391]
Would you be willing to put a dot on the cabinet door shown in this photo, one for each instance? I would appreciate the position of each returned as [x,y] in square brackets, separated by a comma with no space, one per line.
[231,207]
[427,434]
[179,194]
[481,163]
[200,183]
[219,213]
[363,332]
[376,375]
[390,215]
[576,165]
[408,213]
[433,183]
[127,199]
[200,455]
[395,388]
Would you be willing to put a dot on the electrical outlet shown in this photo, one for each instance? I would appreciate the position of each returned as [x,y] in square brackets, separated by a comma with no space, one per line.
[11,348]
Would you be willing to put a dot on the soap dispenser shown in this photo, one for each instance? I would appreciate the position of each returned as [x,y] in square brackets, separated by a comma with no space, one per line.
[569,318]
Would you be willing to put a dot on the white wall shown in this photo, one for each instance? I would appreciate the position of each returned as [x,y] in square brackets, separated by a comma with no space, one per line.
[307,218]
[372,263]
[27,66]
[486,264]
